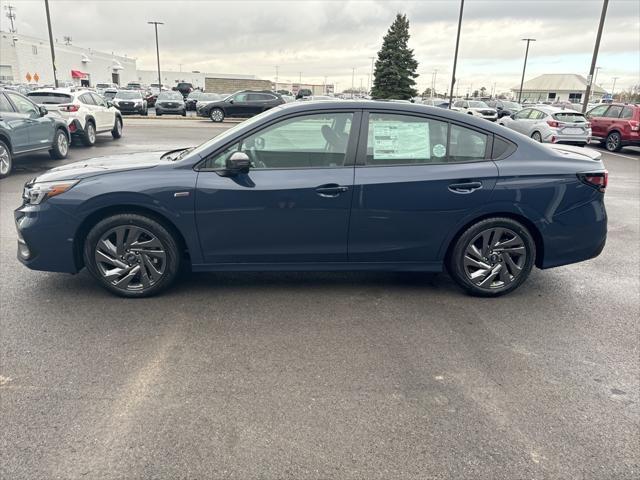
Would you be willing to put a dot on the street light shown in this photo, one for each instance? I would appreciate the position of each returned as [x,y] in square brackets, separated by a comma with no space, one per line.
[594,58]
[53,53]
[455,56]
[155,24]
[524,67]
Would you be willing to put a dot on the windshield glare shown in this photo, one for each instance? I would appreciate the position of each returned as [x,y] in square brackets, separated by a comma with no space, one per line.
[478,104]
[49,98]
[170,96]
[129,95]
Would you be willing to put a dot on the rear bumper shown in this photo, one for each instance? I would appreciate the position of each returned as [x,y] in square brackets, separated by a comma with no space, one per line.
[576,235]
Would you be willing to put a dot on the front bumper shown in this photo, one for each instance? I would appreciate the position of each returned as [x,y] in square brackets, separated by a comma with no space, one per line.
[166,109]
[130,108]
[44,242]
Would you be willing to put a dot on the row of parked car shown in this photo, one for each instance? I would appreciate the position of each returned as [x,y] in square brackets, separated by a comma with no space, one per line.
[48,120]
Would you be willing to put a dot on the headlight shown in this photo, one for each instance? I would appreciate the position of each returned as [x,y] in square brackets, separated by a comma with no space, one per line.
[36,193]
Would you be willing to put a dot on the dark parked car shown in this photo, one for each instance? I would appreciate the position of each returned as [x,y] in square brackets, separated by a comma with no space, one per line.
[615,125]
[26,128]
[185,88]
[324,186]
[241,104]
[504,107]
[170,103]
[303,92]
[130,101]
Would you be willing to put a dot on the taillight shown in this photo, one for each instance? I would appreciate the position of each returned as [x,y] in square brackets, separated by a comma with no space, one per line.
[552,123]
[597,180]
[69,108]
[635,125]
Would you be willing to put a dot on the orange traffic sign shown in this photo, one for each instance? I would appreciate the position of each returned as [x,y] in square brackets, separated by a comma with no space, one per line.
[36,77]
[28,77]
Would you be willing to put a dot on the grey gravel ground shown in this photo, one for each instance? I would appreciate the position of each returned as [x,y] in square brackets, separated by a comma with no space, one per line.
[321,375]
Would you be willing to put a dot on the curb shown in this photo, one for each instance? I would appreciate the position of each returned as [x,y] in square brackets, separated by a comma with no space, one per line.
[179,117]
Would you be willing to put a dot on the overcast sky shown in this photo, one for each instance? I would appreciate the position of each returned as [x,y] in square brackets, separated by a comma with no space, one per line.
[329,38]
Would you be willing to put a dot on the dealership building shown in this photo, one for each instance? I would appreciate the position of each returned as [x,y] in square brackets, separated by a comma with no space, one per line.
[557,87]
[25,59]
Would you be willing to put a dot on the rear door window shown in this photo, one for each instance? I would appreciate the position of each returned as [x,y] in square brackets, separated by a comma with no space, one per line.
[613,112]
[98,100]
[467,145]
[86,99]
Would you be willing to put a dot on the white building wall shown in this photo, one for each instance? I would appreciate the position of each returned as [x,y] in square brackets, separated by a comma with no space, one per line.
[22,54]
[170,79]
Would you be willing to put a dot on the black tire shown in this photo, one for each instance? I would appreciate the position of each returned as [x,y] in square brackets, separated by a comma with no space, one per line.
[116,132]
[158,114]
[145,112]
[613,142]
[216,115]
[512,231]
[89,134]
[184,113]
[6,160]
[60,147]
[537,137]
[149,227]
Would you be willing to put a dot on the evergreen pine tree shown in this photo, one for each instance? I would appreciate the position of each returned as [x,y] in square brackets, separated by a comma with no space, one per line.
[395,67]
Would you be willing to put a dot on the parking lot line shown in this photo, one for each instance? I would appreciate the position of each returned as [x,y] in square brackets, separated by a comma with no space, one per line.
[616,154]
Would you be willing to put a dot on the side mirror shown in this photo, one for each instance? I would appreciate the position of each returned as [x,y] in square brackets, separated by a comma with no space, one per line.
[231,100]
[43,111]
[109,103]
[238,162]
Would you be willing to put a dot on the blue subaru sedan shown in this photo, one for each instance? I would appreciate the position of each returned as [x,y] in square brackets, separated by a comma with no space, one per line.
[323,186]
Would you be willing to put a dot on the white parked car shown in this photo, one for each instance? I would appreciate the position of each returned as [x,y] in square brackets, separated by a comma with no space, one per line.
[477,108]
[550,125]
[86,113]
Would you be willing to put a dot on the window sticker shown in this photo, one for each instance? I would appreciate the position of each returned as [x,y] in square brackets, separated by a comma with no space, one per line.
[439,150]
[401,140]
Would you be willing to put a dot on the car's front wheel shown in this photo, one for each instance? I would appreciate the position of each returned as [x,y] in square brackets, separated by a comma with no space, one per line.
[537,137]
[117,128]
[613,143]
[492,257]
[6,160]
[216,115]
[132,255]
[60,147]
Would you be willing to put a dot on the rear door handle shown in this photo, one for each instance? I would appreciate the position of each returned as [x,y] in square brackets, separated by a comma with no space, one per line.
[466,187]
[331,190]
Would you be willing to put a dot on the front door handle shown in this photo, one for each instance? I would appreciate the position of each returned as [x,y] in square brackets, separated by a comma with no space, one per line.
[331,190]
[466,187]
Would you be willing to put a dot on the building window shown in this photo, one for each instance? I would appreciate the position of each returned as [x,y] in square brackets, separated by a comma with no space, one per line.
[575,97]
[34,49]
[552,96]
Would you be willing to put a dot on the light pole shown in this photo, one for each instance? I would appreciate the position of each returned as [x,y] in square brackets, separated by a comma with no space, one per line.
[277,66]
[433,83]
[524,67]
[594,58]
[371,77]
[353,77]
[155,24]
[53,52]
[455,56]
[613,87]
[595,75]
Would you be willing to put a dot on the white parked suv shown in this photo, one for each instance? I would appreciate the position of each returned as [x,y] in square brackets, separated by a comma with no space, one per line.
[477,108]
[86,113]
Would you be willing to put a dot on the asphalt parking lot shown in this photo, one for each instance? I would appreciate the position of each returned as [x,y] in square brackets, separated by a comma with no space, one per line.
[321,375]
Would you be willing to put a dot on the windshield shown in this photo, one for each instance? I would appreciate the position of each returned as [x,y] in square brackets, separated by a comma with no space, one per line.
[210,96]
[477,104]
[511,105]
[195,95]
[49,98]
[228,133]
[129,95]
[109,95]
[170,96]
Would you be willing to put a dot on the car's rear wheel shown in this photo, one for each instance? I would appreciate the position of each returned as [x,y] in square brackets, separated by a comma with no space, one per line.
[613,143]
[60,147]
[492,257]
[6,160]
[132,255]
[89,136]
[536,136]
[117,128]
[216,115]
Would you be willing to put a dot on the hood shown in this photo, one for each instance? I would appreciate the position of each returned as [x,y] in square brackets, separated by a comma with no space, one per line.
[101,165]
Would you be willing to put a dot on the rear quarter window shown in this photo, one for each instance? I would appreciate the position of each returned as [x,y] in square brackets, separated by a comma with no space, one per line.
[627,113]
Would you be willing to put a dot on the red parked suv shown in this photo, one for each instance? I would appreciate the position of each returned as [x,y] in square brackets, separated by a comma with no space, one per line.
[616,125]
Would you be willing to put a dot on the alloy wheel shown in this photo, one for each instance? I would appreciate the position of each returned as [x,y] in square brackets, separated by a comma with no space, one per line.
[118,126]
[63,144]
[495,258]
[5,162]
[217,115]
[131,258]
[91,133]
[613,140]
[537,137]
